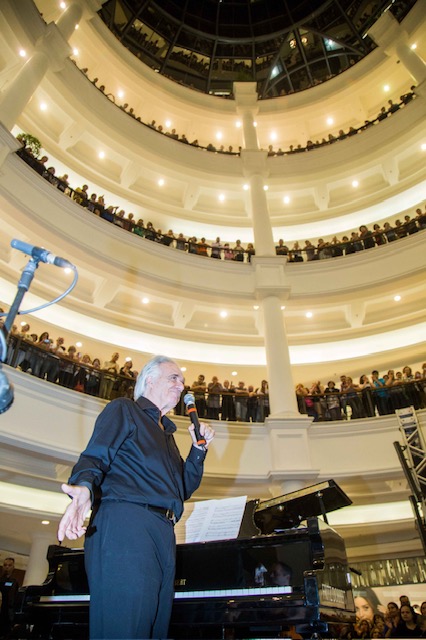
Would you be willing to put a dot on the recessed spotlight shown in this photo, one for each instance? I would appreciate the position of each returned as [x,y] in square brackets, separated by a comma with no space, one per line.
[423,146]
[246,187]
[145,300]
[330,120]
[63,5]
[161,182]
[273,135]
[43,106]
[22,53]
[219,135]
[75,52]
[183,369]
[413,46]
[23,323]
[386,88]
[45,522]
[255,307]
[397,298]
[309,314]
[168,123]
[79,344]
[76,27]
[101,155]
[221,197]
[254,123]
[223,314]
[127,359]
[282,307]
[265,187]
[120,93]
[355,184]
[238,124]
[286,199]
[67,269]
[234,373]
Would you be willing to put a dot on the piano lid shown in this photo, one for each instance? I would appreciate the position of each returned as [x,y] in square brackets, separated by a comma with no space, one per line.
[290,509]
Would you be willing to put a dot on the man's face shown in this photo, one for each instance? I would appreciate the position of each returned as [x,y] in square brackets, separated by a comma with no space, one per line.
[280,576]
[8,566]
[165,389]
[115,357]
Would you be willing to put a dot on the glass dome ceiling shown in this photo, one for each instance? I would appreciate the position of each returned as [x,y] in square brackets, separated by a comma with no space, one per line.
[283,45]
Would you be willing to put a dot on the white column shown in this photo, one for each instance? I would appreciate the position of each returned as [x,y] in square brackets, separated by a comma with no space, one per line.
[38,566]
[282,396]
[18,93]
[69,19]
[388,34]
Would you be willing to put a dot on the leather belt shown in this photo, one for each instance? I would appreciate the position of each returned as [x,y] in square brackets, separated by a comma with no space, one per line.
[167,513]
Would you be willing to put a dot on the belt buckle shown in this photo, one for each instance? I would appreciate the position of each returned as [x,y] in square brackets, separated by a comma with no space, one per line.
[170,516]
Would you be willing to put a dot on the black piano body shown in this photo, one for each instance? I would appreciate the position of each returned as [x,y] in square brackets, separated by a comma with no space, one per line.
[292,579]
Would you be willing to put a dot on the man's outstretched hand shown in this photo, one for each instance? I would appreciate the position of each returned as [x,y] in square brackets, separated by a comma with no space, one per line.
[71,524]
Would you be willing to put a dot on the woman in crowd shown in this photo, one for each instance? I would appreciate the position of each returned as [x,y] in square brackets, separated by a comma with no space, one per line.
[408,627]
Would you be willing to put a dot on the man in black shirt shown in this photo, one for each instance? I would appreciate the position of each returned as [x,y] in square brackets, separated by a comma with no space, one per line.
[136,481]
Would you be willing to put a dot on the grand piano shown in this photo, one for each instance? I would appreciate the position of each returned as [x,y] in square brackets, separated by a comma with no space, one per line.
[286,574]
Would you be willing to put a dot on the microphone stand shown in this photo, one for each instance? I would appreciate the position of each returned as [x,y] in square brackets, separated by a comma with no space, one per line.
[24,284]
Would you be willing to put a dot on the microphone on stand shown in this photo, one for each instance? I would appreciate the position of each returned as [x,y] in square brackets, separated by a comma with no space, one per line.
[193,415]
[39,253]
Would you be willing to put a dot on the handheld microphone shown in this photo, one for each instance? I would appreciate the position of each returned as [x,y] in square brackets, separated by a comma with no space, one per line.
[39,253]
[189,401]
[6,392]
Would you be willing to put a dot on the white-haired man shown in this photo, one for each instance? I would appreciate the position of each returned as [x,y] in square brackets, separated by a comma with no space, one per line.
[133,476]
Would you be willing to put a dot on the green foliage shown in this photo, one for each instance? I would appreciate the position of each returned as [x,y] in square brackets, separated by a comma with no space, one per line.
[30,142]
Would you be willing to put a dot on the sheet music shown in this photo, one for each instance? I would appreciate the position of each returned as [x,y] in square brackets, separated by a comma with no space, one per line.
[211,520]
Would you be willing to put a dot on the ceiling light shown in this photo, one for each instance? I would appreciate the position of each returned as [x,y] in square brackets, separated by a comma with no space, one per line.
[282,307]
[355,184]
[45,522]
[22,53]
[223,314]
[254,123]
[43,106]
[75,52]
[397,298]
[120,93]
[386,88]
[145,300]
[330,121]
[101,155]
[423,146]
[128,359]
[265,187]
[246,187]
[219,135]
[238,124]
[255,307]
[309,314]
[234,373]
[413,46]
[161,182]
[168,123]
[23,323]
[221,197]
[273,135]
[76,27]
[286,199]
[67,269]
[63,5]
[183,369]
[78,344]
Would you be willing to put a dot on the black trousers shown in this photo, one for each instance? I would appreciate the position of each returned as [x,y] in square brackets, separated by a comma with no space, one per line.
[130,563]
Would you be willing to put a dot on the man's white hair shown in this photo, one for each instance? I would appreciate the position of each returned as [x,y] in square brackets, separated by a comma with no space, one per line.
[150,370]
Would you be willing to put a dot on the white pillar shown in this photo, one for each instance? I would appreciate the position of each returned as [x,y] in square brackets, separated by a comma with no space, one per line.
[18,93]
[282,396]
[388,34]
[69,19]
[38,566]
